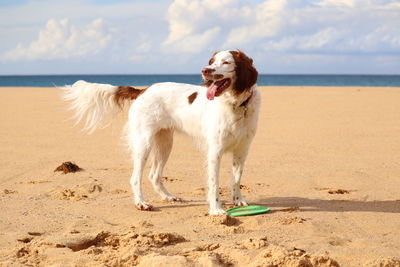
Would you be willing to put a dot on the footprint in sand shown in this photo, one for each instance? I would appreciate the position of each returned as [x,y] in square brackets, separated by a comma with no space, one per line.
[77,193]
[35,182]
[145,224]
[167,179]
[334,191]
[291,220]
[262,184]
[114,169]
[9,192]
[291,209]
[118,191]
[339,191]
[338,241]
[26,239]
[223,191]
[198,191]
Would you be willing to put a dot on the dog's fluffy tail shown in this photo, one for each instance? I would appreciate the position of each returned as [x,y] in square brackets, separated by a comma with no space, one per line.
[94,101]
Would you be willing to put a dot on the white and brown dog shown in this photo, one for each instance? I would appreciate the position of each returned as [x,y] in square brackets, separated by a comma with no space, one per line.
[222,114]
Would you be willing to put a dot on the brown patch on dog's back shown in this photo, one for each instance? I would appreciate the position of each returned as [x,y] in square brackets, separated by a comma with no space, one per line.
[192,97]
[126,92]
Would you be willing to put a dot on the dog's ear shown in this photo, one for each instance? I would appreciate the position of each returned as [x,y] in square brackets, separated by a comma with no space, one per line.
[246,73]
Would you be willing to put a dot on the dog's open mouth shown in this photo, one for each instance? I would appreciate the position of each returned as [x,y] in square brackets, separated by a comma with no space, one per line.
[217,87]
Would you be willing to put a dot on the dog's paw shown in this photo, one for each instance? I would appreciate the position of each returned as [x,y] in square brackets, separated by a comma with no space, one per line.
[144,206]
[240,202]
[217,211]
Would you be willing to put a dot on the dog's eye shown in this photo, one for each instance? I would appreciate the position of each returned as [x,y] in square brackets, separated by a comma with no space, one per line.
[226,62]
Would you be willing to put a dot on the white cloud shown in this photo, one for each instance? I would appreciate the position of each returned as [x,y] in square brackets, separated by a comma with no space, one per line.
[268,20]
[193,43]
[317,42]
[147,36]
[60,40]
[195,24]
[297,26]
[183,16]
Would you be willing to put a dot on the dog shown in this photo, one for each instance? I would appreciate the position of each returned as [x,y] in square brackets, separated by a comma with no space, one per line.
[221,114]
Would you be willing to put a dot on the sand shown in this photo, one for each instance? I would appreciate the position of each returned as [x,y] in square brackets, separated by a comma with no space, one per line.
[326,160]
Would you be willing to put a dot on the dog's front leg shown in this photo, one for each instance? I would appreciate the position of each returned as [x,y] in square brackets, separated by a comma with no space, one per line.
[214,159]
[239,157]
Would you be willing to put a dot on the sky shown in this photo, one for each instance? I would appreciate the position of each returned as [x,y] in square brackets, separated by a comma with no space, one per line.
[179,36]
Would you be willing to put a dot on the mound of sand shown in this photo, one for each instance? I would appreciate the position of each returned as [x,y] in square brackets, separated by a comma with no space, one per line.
[151,249]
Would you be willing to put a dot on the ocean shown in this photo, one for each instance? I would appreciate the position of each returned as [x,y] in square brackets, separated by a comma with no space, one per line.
[145,80]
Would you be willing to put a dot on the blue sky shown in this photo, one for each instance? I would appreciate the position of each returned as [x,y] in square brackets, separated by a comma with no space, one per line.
[178,36]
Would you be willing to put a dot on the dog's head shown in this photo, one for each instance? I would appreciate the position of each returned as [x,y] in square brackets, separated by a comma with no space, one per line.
[229,70]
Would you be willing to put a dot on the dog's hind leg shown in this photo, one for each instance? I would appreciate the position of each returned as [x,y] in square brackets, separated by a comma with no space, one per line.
[162,146]
[141,149]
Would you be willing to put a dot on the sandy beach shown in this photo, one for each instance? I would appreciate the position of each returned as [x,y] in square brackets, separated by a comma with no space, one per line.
[326,160]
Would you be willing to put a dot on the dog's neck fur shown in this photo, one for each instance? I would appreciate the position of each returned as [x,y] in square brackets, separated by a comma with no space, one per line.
[234,101]
[246,102]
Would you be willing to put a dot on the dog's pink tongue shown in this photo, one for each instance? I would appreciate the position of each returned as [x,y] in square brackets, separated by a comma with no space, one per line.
[211,91]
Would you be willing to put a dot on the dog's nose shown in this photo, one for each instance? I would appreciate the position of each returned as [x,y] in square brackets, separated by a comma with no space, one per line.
[206,71]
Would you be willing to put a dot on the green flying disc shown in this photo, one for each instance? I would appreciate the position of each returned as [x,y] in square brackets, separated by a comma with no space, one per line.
[247,210]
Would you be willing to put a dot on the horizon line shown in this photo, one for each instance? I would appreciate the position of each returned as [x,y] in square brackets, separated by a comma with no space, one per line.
[187,74]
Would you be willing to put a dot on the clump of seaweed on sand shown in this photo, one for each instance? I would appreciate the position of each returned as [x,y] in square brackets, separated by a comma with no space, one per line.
[67,167]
